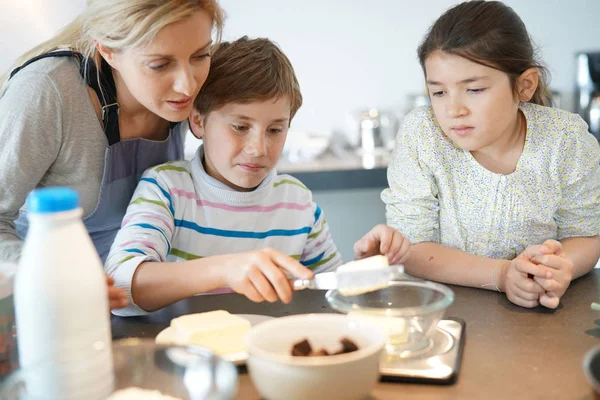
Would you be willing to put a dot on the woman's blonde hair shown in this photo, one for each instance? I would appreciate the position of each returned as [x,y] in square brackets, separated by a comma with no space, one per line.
[120,25]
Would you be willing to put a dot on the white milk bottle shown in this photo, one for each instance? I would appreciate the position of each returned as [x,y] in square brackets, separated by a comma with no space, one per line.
[61,303]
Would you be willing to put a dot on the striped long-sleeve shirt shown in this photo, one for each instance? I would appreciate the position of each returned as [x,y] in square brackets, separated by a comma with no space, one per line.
[178,212]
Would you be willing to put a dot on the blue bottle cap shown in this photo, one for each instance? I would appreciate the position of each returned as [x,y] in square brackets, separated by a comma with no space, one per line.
[52,199]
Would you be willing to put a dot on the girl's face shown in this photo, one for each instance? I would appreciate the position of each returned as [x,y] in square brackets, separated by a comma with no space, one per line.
[165,76]
[474,105]
[243,142]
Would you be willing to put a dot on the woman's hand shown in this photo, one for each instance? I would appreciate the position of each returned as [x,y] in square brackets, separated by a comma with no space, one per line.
[515,278]
[556,260]
[261,274]
[117,297]
[384,240]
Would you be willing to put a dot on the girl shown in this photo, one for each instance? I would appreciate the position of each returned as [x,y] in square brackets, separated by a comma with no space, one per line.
[496,189]
[98,104]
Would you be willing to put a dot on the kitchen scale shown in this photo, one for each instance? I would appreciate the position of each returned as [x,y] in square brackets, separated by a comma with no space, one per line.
[437,363]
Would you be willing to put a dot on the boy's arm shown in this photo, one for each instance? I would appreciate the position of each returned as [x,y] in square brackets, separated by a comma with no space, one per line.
[137,260]
[320,253]
[145,234]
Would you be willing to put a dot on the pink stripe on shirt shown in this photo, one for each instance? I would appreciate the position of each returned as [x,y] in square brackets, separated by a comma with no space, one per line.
[206,203]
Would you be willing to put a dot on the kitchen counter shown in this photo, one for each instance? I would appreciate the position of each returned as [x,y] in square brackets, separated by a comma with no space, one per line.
[510,352]
[329,172]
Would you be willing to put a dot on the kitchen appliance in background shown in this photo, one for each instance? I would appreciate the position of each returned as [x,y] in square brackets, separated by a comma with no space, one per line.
[370,136]
[587,89]
[373,130]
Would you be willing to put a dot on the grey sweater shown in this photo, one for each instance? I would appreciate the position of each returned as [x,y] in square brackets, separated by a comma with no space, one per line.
[49,135]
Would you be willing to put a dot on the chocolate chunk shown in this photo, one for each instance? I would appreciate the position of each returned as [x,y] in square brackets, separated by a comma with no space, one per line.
[348,346]
[302,349]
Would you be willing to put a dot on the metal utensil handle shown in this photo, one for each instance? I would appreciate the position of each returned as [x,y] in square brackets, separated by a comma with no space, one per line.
[300,284]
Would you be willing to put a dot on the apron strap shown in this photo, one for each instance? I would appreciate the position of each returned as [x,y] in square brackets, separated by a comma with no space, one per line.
[102,83]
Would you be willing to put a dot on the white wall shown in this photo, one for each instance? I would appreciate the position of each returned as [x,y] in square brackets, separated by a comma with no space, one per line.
[26,23]
[348,54]
[354,53]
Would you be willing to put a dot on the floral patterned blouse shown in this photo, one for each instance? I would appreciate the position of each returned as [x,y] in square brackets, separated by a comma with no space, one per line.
[440,193]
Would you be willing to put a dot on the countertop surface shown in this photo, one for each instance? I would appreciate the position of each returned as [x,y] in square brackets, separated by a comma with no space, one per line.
[510,352]
[331,162]
[348,171]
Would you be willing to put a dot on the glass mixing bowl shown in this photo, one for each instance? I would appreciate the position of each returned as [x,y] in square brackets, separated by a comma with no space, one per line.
[408,310]
[180,372]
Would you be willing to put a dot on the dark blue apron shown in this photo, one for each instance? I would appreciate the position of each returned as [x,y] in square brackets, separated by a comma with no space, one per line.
[124,161]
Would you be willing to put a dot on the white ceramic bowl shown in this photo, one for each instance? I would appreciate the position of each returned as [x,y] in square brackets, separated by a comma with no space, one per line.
[279,375]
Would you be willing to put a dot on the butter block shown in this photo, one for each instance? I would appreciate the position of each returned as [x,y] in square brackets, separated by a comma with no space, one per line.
[368,263]
[362,276]
[218,330]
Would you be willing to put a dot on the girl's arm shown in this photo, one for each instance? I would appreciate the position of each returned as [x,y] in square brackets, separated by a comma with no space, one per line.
[578,216]
[444,264]
[583,252]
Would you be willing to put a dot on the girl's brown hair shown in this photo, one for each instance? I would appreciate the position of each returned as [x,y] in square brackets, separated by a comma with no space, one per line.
[488,33]
[248,70]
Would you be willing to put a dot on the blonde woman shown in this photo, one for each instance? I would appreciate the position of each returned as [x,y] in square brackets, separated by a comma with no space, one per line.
[98,104]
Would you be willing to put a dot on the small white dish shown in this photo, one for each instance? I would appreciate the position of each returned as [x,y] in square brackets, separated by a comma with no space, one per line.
[167,337]
[278,375]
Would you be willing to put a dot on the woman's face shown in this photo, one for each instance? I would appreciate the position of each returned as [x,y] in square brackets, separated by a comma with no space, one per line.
[165,76]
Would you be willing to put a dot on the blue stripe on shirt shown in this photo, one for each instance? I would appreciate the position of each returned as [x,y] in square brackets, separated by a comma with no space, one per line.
[164,192]
[148,226]
[318,258]
[134,251]
[241,234]
[317,213]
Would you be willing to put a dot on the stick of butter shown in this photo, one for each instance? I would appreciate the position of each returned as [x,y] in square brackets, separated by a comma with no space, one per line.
[218,331]
[366,275]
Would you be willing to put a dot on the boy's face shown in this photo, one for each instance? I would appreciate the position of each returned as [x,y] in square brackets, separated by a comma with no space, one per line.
[243,142]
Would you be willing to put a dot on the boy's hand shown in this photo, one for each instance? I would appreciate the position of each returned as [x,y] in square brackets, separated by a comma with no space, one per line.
[561,266]
[384,240]
[261,274]
[117,297]
[515,281]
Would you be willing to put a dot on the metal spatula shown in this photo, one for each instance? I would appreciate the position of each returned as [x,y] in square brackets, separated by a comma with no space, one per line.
[351,283]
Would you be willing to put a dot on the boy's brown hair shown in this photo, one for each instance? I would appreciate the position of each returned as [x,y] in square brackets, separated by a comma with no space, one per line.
[248,70]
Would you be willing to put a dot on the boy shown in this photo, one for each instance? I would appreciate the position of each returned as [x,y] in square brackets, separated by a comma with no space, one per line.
[226,219]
